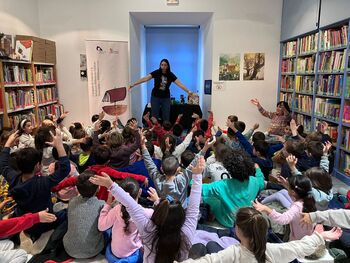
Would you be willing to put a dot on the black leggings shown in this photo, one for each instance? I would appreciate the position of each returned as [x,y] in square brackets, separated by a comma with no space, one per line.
[199,250]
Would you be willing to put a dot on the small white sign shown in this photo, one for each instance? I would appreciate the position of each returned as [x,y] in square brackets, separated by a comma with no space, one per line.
[172,2]
[219,85]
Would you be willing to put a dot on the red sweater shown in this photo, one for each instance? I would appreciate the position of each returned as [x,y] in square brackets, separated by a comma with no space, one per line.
[102,193]
[210,125]
[159,130]
[17,224]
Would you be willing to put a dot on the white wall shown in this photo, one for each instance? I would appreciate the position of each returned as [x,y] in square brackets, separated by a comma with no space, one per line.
[237,26]
[19,17]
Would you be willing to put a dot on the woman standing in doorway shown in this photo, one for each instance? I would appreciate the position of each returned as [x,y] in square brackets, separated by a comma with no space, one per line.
[160,98]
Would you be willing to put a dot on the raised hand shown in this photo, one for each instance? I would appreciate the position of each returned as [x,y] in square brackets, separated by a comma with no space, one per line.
[46,217]
[101,115]
[195,116]
[56,139]
[326,147]
[146,116]
[292,161]
[101,180]
[199,168]
[133,124]
[283,181]
[255,102]
[154,120]
[260,207]
[109,199]
[255,126]
[11,141]
[167,144]
[153,195]
[306,219]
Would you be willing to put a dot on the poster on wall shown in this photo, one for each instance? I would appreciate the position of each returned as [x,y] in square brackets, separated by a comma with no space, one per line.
[83,69]
[108,77]
[229,67]
[254,64]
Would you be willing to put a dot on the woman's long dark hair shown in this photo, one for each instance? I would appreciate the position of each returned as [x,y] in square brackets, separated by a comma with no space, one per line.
[167,238]
[302,186]
[253,226]
[166,61]
[131,186]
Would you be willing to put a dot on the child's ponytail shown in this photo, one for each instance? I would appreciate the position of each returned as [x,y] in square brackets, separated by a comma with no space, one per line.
[131,186]
[302,186]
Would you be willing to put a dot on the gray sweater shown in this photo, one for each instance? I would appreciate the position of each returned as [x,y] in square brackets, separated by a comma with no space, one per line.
[338,217]
[83,240]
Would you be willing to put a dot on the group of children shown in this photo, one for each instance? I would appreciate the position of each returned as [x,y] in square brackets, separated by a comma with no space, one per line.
[145,195]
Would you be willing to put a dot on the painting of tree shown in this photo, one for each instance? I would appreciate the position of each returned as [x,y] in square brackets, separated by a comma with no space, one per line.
[254,64]
[229,68]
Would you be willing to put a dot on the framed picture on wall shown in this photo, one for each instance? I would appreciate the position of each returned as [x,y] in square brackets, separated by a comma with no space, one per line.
[207,87]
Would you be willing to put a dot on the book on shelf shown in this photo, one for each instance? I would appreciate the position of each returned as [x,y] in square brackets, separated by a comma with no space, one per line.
[306,64]
[24,49]
[303,120]
[346,113]
[327,108]
[16,119]
[308,44]
[14,74]
[286,97]
[304,84]
[303,103]
[46,95]
[289,49]
[344,161]
[44,75]
[345,138]
[287,65]
[7,44]
[334,37]
[332,61]
[347,87]
[54,109]
[330,85]
[287,83]
[332,131]
[17,99]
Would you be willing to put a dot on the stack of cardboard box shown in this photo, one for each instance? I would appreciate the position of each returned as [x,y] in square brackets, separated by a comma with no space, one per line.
[43,50]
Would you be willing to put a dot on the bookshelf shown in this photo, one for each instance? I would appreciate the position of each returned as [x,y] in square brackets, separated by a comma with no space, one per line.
[27,90]
[315,80]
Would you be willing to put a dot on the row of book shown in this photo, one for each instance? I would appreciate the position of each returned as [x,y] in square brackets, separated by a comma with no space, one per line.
[16,119]
[44,75]
[345,138]
[344,161]
[330,85]
[334,37]
[346,113]
[308,44]
[288,65]
[303,103]
[304,84]
[327,108]
[46,95]
[347,87]
[18,99]
[287,82]
[306,64]
[17,74]
[288,97]
[332,61]
[303,120]
[289,49]
[54,109]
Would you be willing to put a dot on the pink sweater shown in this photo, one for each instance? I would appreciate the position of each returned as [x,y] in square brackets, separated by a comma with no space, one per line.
[123,245]
[292,217]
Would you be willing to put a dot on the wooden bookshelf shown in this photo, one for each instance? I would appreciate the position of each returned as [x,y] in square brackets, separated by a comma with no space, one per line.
[320,89]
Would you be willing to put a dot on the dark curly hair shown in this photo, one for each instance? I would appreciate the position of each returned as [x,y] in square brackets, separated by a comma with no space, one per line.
[239,165]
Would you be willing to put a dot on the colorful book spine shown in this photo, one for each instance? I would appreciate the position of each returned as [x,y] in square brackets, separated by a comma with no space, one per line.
[303,120]
[19,99]
[304,84]
[54,109]
[15,119]
[17,75]
[306,64]
[288,65]
[45,95]
[330,85]
[289,49]
[288,97]
[327,108]
[332,61]
[44,75]
[303,103]
[308,44]
[334,37]
[287,83]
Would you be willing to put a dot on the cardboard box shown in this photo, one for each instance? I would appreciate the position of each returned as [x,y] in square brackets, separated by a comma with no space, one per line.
[38,47]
